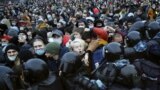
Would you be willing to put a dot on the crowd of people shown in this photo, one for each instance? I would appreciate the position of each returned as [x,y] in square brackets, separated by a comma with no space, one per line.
[80,45]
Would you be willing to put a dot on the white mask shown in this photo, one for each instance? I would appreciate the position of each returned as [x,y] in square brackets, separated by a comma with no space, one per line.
[4,44]
[14,24]
[49,17]
[81,26]
[58,40]
[50,40]
[12,58]
[21,28]
[91,26]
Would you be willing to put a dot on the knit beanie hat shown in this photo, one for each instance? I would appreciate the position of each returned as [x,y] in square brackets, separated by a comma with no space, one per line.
[53,48]
[12,32]
[11,46]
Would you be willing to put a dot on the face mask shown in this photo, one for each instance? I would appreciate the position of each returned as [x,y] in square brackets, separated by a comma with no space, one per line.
[13,24]
[49,17]
[21,28]
[29,37]
[12,58]
[40,51]
[50,40]
[4,44]
[91,26]
[58,40]
[81,26]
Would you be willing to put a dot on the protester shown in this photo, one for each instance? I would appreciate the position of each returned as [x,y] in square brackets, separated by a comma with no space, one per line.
[94,30]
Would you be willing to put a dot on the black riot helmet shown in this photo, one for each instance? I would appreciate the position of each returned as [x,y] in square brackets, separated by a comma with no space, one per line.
[130,53]
[157,37]
[6,78]
[137,26]
[112,51]
[152,29]
[35,71]
[133,38]
[154,53]
[70,63]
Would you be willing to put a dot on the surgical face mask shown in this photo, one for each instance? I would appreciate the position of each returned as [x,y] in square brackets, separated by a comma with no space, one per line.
[4,44]
[91,26]
[21,28]
[12,58]
[50,40]
[13,23]
[53,15]
[49,17]
[153,6]
[81,26]
[58,40]
[40,51]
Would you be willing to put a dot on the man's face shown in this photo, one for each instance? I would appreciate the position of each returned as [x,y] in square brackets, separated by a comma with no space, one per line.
[50,56]
[59,25]
[118,39]
[4,42]
[129,25]
[73,20]
[12,54]
[29,33]
[38,45]
[77,35]
[139,12]
[81,25]
[22,37]
[57,38]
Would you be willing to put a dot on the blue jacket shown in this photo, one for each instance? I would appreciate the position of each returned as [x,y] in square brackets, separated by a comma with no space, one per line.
[63,50]
[97,57]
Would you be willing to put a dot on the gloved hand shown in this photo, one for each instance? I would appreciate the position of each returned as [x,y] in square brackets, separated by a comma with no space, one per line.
[93,45]
[100,84]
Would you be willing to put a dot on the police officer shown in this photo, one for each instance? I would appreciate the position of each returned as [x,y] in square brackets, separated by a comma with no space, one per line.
[7,79]
[37,75]
[74,76]
[117,73]
[149,68]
